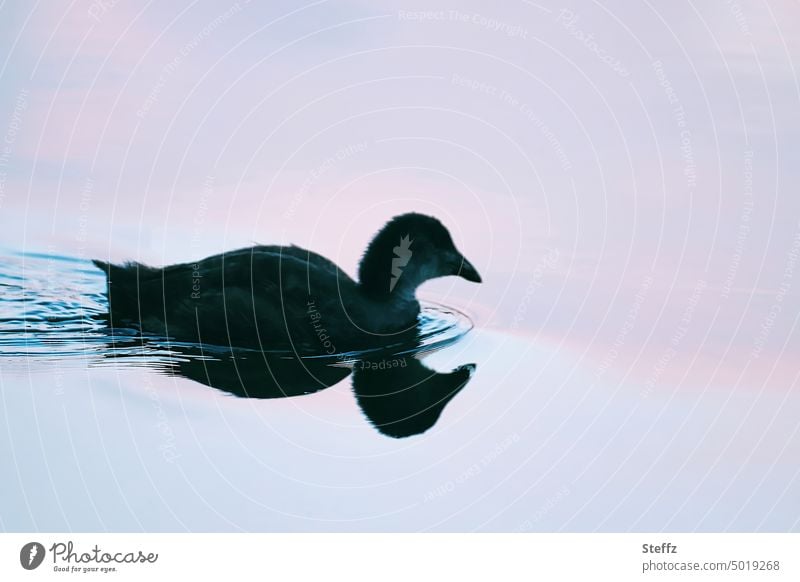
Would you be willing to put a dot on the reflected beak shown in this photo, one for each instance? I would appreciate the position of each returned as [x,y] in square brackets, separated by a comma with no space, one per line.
[468,271]
[468,368]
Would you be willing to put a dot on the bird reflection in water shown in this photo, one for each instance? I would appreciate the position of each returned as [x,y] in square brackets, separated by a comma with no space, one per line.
[400,395]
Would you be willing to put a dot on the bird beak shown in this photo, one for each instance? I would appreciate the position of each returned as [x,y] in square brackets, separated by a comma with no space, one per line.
[468,271]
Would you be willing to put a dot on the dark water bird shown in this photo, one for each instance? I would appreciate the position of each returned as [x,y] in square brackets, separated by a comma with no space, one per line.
[285,297]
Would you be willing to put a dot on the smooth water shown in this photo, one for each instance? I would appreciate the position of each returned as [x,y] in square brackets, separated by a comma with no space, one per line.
[478,429]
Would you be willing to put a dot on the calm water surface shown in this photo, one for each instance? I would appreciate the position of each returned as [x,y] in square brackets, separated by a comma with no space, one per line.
[109,430]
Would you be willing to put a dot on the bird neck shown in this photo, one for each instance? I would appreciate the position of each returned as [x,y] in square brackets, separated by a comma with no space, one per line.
[388,270]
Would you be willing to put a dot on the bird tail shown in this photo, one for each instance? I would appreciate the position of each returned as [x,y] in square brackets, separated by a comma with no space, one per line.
[121,289]
[102,265]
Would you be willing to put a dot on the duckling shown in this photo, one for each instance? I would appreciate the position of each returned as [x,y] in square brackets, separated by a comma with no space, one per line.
[289,298]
